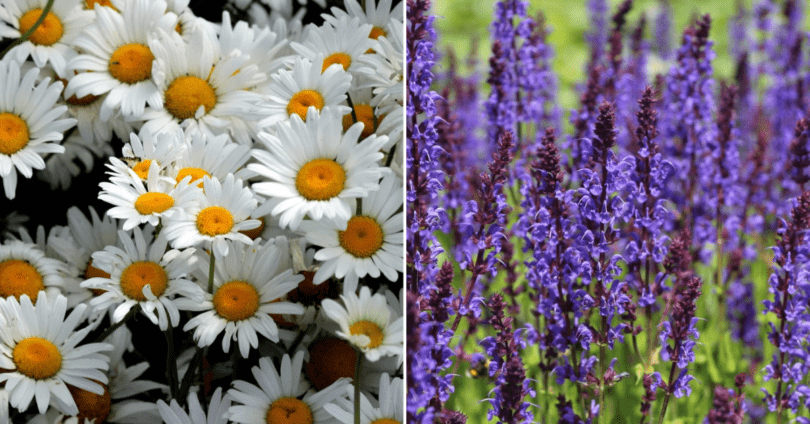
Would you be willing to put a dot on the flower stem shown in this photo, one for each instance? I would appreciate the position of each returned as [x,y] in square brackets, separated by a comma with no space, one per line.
[171,363]
[357,386]
[189,376]
[134,310]
[211,271]
[666,397]
[24,37]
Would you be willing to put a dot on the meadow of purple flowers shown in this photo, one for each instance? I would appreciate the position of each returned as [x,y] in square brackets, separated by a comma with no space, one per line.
[611,269]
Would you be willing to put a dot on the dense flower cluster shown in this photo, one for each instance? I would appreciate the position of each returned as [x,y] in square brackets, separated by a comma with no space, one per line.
[612,268]
[253,212]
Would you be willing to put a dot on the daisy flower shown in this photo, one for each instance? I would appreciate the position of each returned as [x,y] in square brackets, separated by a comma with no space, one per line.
[164,148]
[203,91]
[220,215]
[387,411]
[366,322]
[118,58]
[342,42]
[38,348]
[383,69]
[379,15]
[114,405]
[276,399]
[159,199]
[144,274]
[370,244]
[315,170]
[29,123]
[217,410]
[248,286]
[25,270]
[306,85]
[52,42]
[215,157]
[85,237]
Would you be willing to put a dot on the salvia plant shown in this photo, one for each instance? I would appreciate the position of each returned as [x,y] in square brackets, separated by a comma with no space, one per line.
[640,259]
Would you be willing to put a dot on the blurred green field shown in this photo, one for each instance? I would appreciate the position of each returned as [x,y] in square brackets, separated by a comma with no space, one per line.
[718,358]
[459,21]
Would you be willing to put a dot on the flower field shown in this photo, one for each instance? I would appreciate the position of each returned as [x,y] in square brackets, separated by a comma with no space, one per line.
[637,255]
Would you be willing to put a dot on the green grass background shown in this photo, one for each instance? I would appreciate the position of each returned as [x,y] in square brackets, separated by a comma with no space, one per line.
[459,21]
[718,358]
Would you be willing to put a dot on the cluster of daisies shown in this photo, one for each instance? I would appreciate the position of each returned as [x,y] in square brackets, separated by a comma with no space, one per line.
[257,201]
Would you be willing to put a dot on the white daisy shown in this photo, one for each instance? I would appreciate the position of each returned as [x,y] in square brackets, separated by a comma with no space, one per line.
[383,69]
[220,215]
[29,123]
[314,170]
[39,346]
[367,322]
[158,200]
[217,410]
[370,244]
[118,58]
[342,42]
[52,42]
[203,91]
[277,400]
[215,156]
[248,287]
[144,274]
[25,270]
[293,92]
[387,411]
[262,45]
[378,15]
[164,148]
[115,404]
[86,236]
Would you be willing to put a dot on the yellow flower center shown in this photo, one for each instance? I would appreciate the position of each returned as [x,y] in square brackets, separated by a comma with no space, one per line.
[370,329]
[365,114]
[13,133]
[136,276]
[329,359]
[376,32]
[256,232]
[142,168]
[302,100]
[386,421]
[196,174]
[236,300]
[91,272]
[214,221]
[363,237]
[178,28]
[289,410]
[341,58]
[92,4]
[92,406]
[37,358]
[149,203]
[320,179]
[47,33]
[131,63]
[18,278]
[186,94]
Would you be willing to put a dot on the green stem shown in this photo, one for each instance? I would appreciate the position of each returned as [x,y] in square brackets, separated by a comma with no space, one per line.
[24,37]
[191,373]
[211,271]
[134,310]
[351,105]
[171,363]
[357,386]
